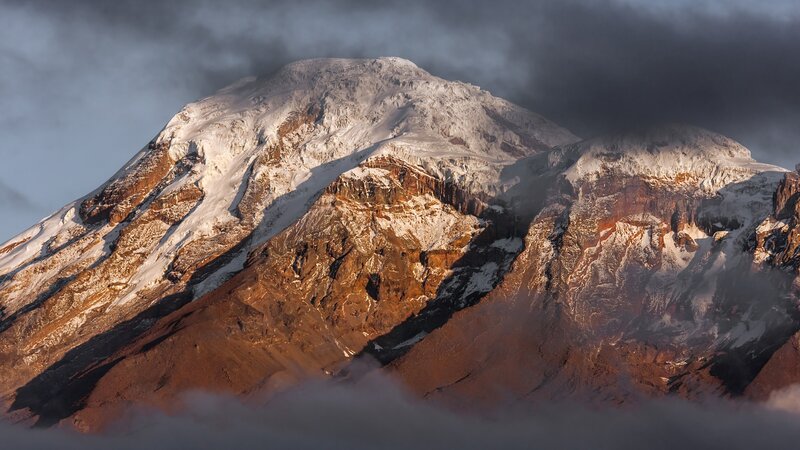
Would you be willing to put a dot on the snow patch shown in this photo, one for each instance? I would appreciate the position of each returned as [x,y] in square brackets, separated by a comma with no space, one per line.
[509,245]
[483,280]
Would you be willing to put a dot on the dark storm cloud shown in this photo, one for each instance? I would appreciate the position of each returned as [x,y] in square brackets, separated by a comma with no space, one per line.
[602,68]
[593,66]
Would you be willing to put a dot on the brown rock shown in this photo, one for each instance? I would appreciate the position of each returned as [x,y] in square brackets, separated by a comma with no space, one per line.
[121,196]
[787,197]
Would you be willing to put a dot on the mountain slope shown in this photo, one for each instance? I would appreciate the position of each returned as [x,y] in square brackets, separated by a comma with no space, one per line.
[365,210]
[643,278]
[218,185]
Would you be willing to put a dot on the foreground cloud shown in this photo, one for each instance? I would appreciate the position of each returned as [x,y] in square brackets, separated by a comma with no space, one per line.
[379,415]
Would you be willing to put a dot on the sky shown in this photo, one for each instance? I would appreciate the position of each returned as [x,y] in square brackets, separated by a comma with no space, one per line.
[85,84]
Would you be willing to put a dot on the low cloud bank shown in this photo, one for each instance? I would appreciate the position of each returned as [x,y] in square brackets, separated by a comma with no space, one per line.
[380,415]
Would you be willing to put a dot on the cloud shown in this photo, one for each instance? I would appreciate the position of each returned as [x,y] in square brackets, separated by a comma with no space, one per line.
[602,68]
[786,399]
[378,414]
[592,65]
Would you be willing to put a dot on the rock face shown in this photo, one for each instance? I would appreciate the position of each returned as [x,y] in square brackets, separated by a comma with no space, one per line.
[364,209]
[641,269]
[778,244]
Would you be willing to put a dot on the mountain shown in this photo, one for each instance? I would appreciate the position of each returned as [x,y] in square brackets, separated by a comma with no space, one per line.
[664,265]
[365,210]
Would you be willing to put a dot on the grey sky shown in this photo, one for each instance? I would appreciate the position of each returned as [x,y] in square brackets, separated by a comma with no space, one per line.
[84,84]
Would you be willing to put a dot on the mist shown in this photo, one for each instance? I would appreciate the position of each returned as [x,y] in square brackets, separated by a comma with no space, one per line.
[378,414]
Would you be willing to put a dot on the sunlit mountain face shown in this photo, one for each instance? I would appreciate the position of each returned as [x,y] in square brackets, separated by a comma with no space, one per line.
[547,216]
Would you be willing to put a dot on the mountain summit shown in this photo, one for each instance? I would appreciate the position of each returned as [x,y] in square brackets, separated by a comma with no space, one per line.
[365,209]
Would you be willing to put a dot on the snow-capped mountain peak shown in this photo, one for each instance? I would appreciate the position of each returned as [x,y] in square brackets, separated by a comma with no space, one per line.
[232,171]
[353,105]
[679,155]
[275,230]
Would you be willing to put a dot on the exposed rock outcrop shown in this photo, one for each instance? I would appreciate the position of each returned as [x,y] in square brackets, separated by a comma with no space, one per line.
[627,276]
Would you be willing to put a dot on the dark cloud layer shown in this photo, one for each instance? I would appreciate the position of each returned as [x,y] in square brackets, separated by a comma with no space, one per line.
[619,67]
[592,65]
